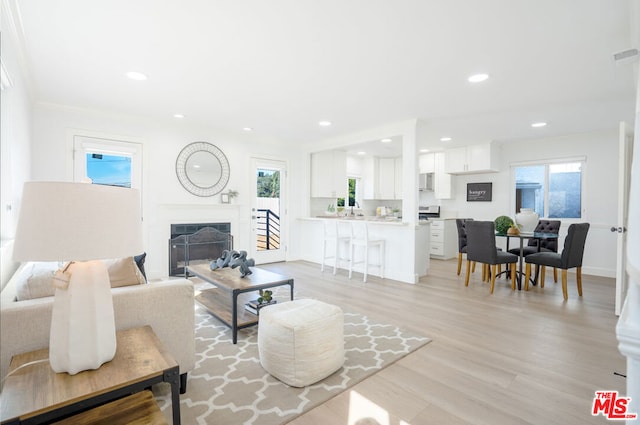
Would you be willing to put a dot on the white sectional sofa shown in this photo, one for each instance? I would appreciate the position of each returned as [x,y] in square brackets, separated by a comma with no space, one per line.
[167,306]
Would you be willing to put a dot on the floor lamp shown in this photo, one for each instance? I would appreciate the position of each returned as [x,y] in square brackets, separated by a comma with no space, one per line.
[79,223]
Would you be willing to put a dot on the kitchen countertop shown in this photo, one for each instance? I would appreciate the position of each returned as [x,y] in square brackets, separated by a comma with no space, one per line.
[369,219]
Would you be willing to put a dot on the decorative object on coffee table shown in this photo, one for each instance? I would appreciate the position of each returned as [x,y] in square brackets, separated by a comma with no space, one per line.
[223,261]
[240,260]
[265,299]
[81,223]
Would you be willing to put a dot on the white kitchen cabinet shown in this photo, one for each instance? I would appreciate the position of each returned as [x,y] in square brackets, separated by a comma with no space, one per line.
[481,158]
[442,184]
[444,239]
[386,178]
[426,163]
[329,174]
[398,180]
[382,178]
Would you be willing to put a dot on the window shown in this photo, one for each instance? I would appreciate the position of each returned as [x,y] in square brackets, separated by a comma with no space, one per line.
[352,193]
[110,170]
[553,190]
[107,161]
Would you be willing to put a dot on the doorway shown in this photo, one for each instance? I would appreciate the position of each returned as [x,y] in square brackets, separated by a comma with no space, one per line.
[625,155]
[268,211]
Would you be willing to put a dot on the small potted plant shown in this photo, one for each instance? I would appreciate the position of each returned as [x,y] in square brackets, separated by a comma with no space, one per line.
[503,223]
[265,296]
[513,230]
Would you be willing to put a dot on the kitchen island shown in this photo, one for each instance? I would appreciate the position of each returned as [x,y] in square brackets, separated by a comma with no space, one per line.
[406,245]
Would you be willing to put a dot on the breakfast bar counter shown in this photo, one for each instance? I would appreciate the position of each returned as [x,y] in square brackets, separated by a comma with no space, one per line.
[406,256]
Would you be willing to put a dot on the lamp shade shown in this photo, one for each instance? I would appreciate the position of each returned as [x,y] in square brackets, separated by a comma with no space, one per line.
[63,221]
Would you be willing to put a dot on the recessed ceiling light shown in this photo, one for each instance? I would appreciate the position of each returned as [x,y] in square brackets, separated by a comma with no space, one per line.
[538,124]
[247,129]
[138,76]
[424,150]
[178,116]
[477,78]
[324,123]
[445,139]
[362,153]
[387,140]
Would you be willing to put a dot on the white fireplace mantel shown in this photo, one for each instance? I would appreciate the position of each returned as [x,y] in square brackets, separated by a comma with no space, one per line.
[159,228]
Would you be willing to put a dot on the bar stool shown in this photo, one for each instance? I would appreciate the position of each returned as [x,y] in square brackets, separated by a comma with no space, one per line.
[360,238]
[334,237]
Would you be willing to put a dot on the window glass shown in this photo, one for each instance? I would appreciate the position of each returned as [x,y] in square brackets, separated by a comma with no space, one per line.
[268,183]
[110,170]
[352,192]
[552,190]
[530,187]
[565,189]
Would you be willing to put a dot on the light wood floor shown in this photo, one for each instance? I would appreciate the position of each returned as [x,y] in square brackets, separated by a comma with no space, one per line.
[507,358]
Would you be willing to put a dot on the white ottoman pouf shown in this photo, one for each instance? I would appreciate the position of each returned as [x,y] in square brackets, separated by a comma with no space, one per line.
[301,342]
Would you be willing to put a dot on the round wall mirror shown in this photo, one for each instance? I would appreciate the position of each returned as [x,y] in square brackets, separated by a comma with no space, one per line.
[202,169]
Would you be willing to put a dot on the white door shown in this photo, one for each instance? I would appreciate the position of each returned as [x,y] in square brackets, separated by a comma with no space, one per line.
[625,151]
[268,210]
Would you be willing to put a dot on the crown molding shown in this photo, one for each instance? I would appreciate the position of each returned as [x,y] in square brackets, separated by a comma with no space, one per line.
[10,12]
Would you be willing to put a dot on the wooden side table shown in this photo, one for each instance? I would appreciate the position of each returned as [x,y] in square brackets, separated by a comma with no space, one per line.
[137,409]
[35,394]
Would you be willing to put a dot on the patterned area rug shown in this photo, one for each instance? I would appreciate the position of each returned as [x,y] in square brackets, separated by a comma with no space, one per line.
[228,385]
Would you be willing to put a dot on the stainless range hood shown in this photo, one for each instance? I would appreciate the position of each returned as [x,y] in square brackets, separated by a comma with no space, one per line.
[425,182]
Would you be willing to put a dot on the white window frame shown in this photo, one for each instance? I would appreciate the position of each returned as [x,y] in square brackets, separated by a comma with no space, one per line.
[546,163]
[86,144]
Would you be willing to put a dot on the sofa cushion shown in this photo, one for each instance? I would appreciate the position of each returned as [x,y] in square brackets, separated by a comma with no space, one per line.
[35,280]
[124,272]
[139,259]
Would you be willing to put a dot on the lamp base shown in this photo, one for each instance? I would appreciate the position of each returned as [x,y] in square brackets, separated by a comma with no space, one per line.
[83,332]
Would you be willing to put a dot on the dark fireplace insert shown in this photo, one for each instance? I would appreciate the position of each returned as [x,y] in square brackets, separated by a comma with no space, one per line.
[197,242]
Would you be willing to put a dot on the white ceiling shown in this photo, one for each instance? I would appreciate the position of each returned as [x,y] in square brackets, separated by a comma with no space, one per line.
[280,66]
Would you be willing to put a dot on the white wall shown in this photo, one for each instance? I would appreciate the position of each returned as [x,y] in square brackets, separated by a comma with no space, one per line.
[15,149]
[164,199]
[600,187]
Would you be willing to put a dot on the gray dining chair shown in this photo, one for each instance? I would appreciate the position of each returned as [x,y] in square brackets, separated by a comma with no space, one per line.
[462,242]
[546,245]
[570,257]
[481,248]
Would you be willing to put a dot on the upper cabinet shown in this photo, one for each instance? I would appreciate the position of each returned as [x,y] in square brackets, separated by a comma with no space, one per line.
[329,174]
[434,164]
[442,184]
[482,158]
[383,178]
[386,178]
[398,178]
[426,163]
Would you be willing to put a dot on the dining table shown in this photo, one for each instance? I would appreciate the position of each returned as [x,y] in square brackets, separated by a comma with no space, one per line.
[538,236]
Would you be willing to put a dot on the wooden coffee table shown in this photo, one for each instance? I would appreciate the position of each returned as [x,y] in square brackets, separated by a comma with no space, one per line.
[223,300]
[35,394]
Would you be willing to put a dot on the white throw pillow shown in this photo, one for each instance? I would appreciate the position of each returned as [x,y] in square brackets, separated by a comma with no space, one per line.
[35,280]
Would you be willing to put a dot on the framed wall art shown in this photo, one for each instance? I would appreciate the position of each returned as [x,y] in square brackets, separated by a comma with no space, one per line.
[479,192]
